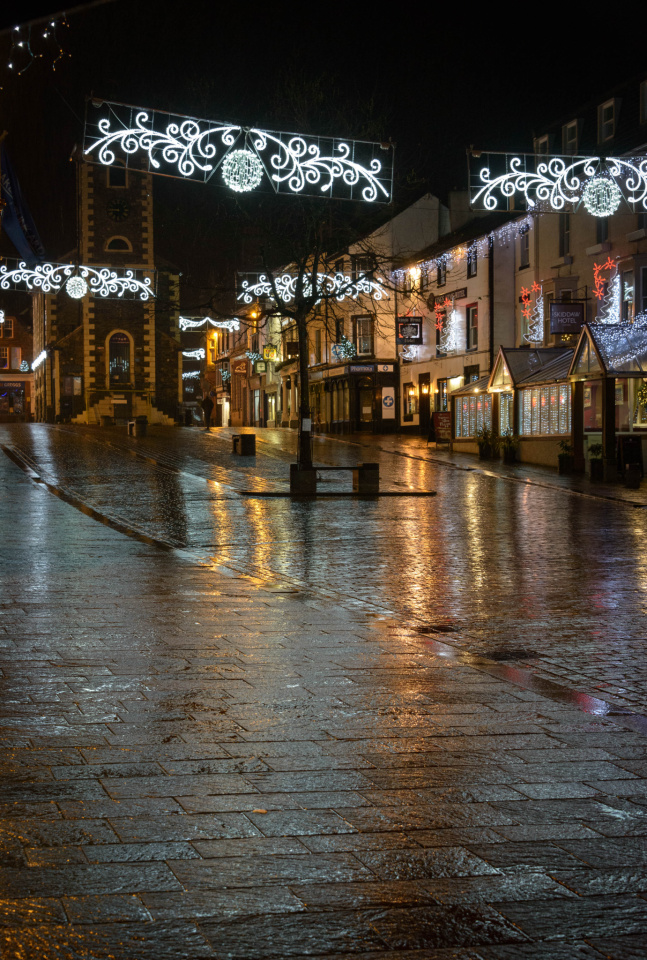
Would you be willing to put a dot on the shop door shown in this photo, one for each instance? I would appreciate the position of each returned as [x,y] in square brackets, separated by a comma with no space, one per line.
[365,407]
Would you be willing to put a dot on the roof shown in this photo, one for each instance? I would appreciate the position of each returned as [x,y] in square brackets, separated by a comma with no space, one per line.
[551,372]
[476,386]
[622,348]
[472,230]
[523,362]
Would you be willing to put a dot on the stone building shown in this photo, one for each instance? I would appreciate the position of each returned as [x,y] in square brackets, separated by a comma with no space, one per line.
[111,357]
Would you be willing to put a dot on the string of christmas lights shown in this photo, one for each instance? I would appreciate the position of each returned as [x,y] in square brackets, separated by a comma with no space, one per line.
[37,41]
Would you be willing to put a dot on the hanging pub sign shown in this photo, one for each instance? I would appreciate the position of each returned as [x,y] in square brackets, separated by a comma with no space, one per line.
[408,330]
[270,353]
[566,317]
[260,366]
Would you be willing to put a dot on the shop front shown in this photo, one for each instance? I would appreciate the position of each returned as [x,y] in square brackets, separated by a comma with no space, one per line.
[609,373]
[15,398]
[356,397]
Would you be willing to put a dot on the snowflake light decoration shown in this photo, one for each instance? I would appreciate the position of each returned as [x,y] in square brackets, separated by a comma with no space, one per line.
[601,196]
[76,287]
[242,171]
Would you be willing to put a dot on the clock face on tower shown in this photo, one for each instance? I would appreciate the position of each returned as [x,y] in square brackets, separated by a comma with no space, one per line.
[118,210]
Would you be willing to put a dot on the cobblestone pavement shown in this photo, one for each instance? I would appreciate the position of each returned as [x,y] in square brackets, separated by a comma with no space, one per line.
[279,752]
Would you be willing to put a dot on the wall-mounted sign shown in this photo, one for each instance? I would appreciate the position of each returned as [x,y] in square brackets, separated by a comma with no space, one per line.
[385,368]
[460,294]
[388,403]
[408,330]
[361,368]
[566,317]
[260,366]
[270,353]
[239,367]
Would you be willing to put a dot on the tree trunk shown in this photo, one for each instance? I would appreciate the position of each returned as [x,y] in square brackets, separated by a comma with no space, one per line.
[304,448]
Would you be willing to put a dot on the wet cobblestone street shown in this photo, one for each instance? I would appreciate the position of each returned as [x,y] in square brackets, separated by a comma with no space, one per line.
[247,727]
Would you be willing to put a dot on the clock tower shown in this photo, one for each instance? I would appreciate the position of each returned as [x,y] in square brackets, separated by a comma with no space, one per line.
[113,358]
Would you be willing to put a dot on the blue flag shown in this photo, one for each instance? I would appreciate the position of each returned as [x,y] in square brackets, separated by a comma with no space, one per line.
[16,218]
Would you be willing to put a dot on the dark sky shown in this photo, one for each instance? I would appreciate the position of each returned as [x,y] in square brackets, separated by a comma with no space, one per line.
[432,77]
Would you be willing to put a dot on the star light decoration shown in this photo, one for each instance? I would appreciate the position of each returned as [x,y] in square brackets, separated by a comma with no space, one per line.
[600,184]
[533,313]
[287,286]
[195,149]
[77,280]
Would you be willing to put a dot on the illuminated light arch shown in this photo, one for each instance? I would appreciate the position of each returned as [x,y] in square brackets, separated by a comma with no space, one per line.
[101,282]
[336,286]
[193,323]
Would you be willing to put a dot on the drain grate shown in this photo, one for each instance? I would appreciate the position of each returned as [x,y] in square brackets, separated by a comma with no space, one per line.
[438,628]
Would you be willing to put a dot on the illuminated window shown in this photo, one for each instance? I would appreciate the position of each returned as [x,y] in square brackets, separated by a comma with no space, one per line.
[546,410]
[472,262]
[363,336]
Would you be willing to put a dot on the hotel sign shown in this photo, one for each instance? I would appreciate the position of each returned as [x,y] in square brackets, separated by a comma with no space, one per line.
[566,317]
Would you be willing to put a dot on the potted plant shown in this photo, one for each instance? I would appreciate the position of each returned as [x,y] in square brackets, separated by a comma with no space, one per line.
[509,444]
[565,458]
[595,462]
[484,438]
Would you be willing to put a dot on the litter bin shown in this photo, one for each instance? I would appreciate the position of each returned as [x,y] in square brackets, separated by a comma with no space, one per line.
[244,444]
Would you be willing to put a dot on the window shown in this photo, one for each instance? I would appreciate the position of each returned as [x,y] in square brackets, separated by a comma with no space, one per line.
[471,327]
[546,410]
[643,290]
[442,396]
[362,267]
[339,265]
[16,357]
[472,414]
[119,358]
[4,358]
[524,247]
[564,234]
[363,336]
[606,121]
[601,229]
[627,295]
[506,421]
[119,244]
[410,400]
[541,146]
[472,261]
[317,346]
[569,137]
[471,374]
[441,273]
[116,175]
[6,328]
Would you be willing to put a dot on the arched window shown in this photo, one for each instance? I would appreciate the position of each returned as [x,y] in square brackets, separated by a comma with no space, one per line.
[118,245]
[119,358]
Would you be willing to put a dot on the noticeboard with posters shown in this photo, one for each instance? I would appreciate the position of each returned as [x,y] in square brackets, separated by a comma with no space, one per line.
[566,317]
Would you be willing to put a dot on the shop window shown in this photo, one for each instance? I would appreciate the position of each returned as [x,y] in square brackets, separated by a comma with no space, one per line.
[410,401]
[363,336]
[471,326]
[546,411]
[506,424]
[472,414]
[472,261]
[442,396]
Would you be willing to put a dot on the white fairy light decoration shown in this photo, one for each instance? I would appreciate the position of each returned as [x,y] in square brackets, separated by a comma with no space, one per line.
[191,375]
[611,305]
[335,286]
[1,316]
[42,356]
[193,323]
[77,280]
[599,184]
[450,338]
[194,149]
[242,171]
[198,354]
[533,313]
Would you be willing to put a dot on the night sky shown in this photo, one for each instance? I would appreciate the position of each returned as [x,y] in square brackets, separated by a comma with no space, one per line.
[431,77]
